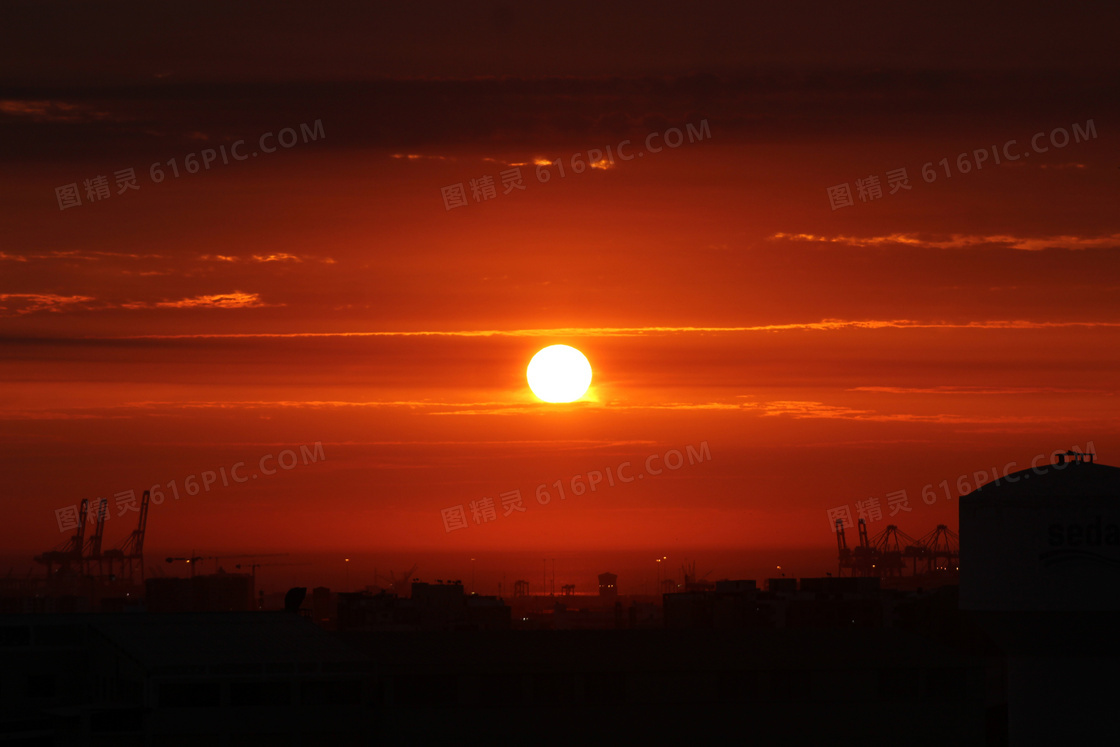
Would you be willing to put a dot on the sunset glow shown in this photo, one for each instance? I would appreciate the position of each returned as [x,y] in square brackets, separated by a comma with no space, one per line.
[797,247]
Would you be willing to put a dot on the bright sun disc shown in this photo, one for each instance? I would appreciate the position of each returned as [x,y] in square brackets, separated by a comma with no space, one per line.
[559,373]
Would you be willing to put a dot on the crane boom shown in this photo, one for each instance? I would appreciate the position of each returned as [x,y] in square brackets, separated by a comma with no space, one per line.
[93,545]
[141,529]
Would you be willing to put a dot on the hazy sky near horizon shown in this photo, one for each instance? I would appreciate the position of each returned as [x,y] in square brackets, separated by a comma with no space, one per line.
[329,292]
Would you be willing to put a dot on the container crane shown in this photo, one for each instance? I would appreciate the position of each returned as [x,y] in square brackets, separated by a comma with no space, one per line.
[845,555]
[943,546]
[130,553]
[93,544]
[68,555]
[194,560]
[397,583]
[890,545]
[864,557]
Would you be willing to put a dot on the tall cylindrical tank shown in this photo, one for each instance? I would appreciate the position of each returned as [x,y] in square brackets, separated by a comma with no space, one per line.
[1040,571]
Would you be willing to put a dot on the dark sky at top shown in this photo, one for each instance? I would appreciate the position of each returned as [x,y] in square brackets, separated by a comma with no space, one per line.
[58,43]
[422,74]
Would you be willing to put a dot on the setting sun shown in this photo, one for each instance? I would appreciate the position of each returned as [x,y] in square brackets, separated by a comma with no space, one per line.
[559,373]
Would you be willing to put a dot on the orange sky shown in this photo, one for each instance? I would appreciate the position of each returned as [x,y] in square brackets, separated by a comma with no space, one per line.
[323,294]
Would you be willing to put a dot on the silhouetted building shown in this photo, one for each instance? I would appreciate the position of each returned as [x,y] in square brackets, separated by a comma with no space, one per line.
[430,607]
[830,602]
[486,613]
[437,596]
[608,585]
[363,610]
[322,607]
[38,595]
[218,592]
[840,585]
[1040,549]
[293,599]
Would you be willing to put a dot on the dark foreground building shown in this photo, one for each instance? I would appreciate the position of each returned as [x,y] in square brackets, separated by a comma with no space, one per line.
[276,679]
[180,679]
[1040,570]
[675,687]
